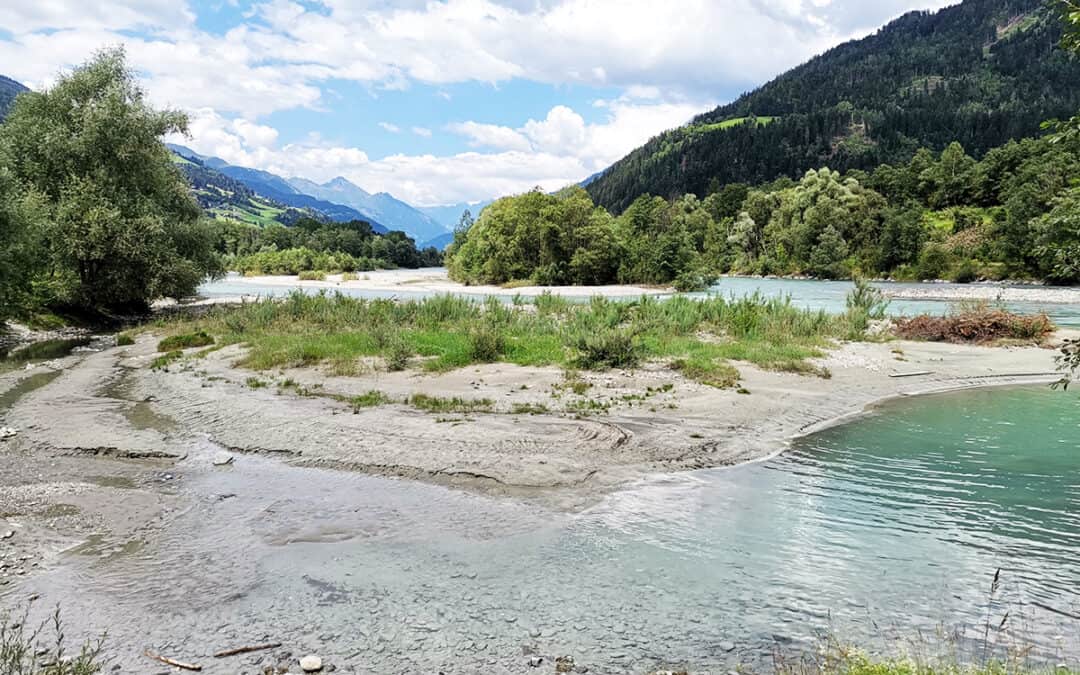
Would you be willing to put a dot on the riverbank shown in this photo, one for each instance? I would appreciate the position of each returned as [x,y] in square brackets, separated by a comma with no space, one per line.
[117,465]
[435,280]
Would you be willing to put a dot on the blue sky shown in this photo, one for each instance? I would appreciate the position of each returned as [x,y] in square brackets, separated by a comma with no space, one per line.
[435,101]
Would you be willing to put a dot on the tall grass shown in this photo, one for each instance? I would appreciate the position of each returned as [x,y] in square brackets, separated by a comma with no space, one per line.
[444,332]
[43,650]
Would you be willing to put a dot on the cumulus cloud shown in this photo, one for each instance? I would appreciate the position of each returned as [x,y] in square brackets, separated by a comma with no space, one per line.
[668,60]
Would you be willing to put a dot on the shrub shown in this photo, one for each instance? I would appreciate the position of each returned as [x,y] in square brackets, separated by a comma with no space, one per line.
[124,340]
[313,275]
[398,354]
[486,344]
[608,348]
[865,303]
[694,281]
[186,341]
[349,276]
[965,272]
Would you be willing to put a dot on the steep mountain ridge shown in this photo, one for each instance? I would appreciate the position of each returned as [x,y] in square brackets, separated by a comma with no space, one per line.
[981,72]
[384,207]
[278,190]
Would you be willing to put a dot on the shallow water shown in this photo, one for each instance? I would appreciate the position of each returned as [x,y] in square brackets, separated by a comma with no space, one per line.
[875,530]
[812,294]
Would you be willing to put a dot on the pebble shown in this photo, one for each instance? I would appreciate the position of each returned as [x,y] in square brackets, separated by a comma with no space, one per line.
[8,535]
[8,432]
[535,661]
[222,459]
[311,664]
[727,646]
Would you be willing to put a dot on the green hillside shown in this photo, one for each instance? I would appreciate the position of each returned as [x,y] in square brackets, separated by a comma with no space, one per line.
[228,199]
[981,73]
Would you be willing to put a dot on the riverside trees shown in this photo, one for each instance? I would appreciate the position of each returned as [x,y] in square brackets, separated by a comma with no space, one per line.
[95,214]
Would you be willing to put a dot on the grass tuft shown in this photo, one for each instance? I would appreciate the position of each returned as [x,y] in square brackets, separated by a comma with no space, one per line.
[185,341]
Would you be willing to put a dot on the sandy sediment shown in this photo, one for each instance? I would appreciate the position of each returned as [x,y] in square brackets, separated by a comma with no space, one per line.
[988,292]
[435,280]
[623,426]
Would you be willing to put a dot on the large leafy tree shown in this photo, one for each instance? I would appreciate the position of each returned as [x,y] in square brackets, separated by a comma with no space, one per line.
[20,214]
[122,227]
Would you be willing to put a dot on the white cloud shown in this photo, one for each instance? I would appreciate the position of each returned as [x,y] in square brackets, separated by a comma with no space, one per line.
[553,152]
[491,136]
[670,60]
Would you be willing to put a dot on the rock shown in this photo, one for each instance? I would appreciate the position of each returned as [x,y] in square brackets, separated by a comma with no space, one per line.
[222,459]
[8,432]
[535,661]
[8,535]
[311,664]
[727,646]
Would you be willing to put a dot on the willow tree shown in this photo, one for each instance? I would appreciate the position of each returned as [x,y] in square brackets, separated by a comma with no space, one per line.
[121,225]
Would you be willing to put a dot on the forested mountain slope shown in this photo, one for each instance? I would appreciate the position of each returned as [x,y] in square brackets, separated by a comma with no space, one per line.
[9,89]
[980,73]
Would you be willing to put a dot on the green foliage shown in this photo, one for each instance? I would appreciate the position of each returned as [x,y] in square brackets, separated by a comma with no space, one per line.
[613,347]
[372,399]
[120,226]
[435,404]
[185,341]
[42,650]
[980,73]
[312,275]
[712,372]
[453,332]
[124,340]
[165,360]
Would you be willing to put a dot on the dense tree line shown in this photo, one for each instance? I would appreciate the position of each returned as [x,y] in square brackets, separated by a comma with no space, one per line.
[1014,214]
[980,73]
[310,244]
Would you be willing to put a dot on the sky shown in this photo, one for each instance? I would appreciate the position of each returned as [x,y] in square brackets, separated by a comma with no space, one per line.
[436,101]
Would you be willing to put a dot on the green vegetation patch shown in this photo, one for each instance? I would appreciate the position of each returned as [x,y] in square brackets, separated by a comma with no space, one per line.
[435,404]
[443,333]
[185,341]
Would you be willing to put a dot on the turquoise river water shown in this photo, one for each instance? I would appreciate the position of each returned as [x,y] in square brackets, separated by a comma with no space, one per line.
[878,531]
[813,294]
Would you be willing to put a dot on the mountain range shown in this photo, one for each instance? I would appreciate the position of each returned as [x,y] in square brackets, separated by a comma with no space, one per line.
[981,73]
[337,199]
[383,207]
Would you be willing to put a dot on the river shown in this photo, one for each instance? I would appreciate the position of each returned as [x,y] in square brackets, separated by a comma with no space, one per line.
[813,294]
[877,532]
